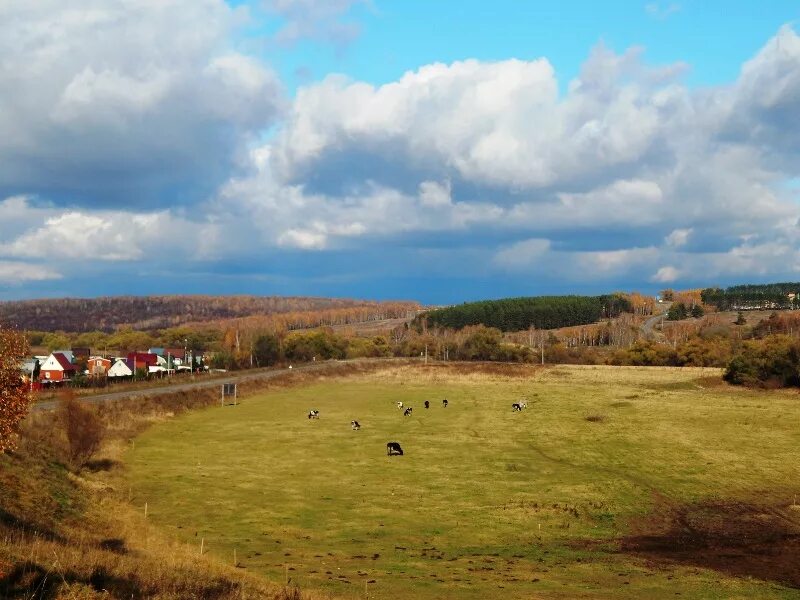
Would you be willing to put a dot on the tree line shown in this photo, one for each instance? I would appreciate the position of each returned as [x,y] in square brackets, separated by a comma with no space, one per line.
[159,312]
[541,312]
[769,296]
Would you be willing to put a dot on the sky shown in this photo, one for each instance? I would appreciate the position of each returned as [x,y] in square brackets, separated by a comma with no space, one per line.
[396,149]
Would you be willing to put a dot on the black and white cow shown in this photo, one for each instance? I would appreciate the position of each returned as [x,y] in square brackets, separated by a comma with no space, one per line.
[355,425]
[393,448]
[400,405]
[444,402]
[516,407]
[313,414]
[407,412]
[427,404]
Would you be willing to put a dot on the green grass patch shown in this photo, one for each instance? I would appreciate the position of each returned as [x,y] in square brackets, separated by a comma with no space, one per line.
[486,502]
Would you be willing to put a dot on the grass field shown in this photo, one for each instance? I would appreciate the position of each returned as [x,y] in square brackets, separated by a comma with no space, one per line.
[676,485]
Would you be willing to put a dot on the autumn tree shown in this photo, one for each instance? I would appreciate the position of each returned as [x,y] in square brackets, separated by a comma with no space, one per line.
[266,350]
[15,398]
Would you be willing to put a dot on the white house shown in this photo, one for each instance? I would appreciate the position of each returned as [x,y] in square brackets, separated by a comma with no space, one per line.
[120,369]
[57,367]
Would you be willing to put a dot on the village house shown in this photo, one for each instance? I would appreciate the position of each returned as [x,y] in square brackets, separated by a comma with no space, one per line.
[142,360]
[57,368]
[121,368]
[97,366]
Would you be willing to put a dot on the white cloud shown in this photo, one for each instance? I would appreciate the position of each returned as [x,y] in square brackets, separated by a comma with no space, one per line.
[615,261]
[70,235]
[610,179]
[304,239]
[678,237]
[110,99]
[666,275]
[17,273]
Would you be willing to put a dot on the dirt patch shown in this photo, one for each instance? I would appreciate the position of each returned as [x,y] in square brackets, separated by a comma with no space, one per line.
[735,537]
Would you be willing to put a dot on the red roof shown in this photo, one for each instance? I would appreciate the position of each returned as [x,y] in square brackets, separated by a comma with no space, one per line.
[64,362]
[143,359]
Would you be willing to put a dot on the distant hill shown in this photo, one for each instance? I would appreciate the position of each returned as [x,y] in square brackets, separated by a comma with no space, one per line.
[158,312]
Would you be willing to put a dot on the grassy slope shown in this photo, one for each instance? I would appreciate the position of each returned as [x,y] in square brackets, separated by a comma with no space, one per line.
[72,536]
[486,502]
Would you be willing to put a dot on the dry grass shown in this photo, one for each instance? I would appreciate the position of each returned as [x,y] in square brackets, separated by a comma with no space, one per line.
[67,535]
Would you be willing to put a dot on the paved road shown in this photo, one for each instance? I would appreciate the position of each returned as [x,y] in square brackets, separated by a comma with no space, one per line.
[198,384]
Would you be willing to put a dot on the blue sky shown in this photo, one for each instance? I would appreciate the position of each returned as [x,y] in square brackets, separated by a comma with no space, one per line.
[713,37]
[436,151]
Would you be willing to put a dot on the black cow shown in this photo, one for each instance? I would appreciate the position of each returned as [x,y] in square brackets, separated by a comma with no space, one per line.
[355,425]
[314,414]
[427,404]
[407,412]
[516,407]
[444,402]
[393,448]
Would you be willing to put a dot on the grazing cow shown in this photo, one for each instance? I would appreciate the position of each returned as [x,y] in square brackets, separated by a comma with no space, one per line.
[407,412]
[400,405]
[427,404]
[355,425]
[516,407]
[393,448]
[314,414]
[444,402]
[523,405]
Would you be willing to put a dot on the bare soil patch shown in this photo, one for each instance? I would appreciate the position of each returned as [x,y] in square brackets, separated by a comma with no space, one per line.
[746,539]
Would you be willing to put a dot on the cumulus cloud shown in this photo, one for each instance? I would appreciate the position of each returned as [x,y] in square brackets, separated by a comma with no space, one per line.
[627,175]
[666,274]
[109,101]
[18,273]
[633,160]
[102,236]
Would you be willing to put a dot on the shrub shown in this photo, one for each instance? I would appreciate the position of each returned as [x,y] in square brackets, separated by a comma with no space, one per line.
[83,428]
[771,362]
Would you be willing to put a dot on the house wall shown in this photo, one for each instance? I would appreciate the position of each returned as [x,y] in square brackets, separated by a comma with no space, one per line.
[51,375]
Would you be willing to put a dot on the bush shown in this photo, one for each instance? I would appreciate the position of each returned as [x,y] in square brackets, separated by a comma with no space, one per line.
[266,350]
[482,343]
[83,428]
[771,362]
[646,354]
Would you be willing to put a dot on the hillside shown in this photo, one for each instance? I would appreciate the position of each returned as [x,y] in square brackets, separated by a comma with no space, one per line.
[155,312]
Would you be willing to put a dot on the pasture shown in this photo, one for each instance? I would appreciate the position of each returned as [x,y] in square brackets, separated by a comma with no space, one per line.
[614,482]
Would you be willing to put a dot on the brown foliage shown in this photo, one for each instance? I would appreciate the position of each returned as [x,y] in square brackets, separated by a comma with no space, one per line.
[83,428]
[15,397]
[155,312]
